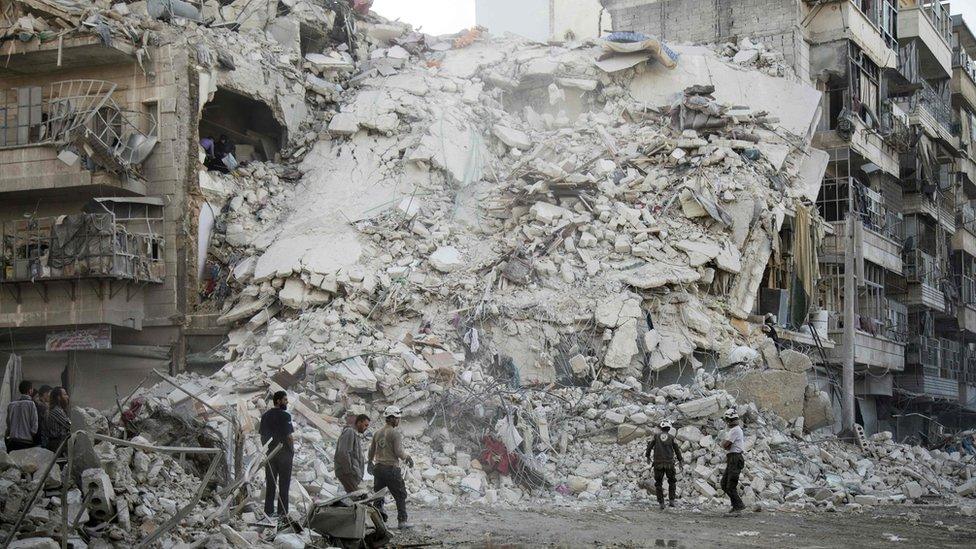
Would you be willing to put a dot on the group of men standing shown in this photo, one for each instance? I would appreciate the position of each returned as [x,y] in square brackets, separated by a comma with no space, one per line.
[383,460]
[37,418]
[387,451]
[664,454]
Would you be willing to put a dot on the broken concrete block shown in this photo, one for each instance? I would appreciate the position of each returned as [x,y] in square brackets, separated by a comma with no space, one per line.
[690,433]
[818,411]
[547,213]
[623,346]
[344,123]
[445,259]
[614,417]
[355,373]
[912,490]
[31,460]
[611,313]
[778,391]
[592,469]
[515,139]
[102,501]
[967,489]
[704,487]
[233,537]
[746,57]
[628,432]
[288,541]
[862,499]
[579,365]
[702,407]
[794,361]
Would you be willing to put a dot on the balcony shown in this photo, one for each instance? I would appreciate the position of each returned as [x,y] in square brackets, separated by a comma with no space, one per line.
[83,126]
[77,246]
[932,111]
[880,334]
[965,237]
[923,274]
[932,368]
[928,23]
[964,77]
[966,316]
[36,57]
[871,25]
[939,206]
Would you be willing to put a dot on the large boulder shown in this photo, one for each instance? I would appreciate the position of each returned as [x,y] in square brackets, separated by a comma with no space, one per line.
[31,460]
[778,391]
[818,412]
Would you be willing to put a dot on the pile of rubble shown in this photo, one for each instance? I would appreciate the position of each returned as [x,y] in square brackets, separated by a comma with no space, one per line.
[535,256]
[755,55]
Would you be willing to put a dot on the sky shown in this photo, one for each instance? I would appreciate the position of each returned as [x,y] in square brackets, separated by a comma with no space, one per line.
[449,16]
[435,16]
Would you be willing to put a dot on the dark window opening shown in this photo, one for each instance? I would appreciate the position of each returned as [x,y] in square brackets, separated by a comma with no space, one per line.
[240,126]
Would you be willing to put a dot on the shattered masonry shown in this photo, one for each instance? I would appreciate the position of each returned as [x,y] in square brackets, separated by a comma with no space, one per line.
[551,246]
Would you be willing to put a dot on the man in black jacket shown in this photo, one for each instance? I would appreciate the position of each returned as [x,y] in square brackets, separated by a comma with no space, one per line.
[276,427]
[666,453]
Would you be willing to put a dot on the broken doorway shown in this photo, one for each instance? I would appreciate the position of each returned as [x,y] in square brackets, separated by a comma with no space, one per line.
[249,124]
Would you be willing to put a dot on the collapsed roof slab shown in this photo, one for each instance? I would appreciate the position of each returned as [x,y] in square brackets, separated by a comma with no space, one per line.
[794,103]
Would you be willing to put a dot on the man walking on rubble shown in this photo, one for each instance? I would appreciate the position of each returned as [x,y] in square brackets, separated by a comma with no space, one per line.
[349,462]
[734,444]
[387,451]
[276,427]
[664,448]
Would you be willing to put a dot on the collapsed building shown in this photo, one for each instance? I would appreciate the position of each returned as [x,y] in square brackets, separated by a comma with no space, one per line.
[536,251]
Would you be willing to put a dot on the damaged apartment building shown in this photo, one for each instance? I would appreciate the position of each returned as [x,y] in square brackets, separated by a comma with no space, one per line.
[101,220]
[899,96]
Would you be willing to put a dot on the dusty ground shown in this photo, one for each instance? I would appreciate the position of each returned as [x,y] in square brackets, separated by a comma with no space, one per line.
[889,526]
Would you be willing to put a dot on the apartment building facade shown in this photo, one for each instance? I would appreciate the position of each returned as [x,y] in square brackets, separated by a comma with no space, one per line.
[100,193]
[897,116]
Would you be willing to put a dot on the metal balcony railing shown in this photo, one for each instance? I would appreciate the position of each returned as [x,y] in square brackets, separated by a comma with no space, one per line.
[926,350]
[936,11]
[966,217]
[935,103]
[78,112]
[73,246]
[962,60]
[967,289]
[922,268]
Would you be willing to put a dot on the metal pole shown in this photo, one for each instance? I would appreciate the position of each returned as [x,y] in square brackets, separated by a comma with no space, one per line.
[850,297]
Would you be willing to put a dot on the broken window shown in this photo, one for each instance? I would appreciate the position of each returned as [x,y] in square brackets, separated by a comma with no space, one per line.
[248,126]
[864,88]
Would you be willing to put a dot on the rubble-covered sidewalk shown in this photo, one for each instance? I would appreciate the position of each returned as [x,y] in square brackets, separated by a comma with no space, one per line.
[535,258]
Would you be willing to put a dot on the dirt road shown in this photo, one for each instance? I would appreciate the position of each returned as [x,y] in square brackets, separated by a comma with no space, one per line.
[888,526]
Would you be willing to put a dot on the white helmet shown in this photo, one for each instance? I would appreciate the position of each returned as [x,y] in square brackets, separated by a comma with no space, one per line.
[665,424]
[731,414]
[392,411]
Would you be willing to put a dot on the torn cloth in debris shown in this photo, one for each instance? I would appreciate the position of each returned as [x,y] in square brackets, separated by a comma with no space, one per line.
[496,457]
[807,271]
[634,43]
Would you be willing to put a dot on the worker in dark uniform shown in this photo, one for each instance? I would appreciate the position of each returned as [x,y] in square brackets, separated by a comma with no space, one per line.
[276,427]
[664,449]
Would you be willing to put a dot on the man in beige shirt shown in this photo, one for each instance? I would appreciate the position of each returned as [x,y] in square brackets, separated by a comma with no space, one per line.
[386,451]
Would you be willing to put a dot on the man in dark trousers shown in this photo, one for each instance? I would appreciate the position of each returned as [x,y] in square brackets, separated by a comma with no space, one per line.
[349,459]
[387,451]
[276,427]
[664,448]
[42,401]
[734,445]
[22,424]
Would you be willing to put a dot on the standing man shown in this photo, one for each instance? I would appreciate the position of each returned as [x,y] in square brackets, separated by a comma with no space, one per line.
[349,459]
[387,451]
[21,419]
[276,427]
[733,444]
[58,425]
[664,448]
[42,400]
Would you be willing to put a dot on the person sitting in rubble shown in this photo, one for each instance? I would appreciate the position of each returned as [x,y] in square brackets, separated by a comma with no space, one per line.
[349,459]
[387,451]
[210,154]
[224,147]
[276,427]
[21,419]
[58,419]
[665,451]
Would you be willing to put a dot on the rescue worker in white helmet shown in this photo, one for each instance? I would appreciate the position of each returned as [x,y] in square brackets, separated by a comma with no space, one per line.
[734,445]
[386,451]
[664,449]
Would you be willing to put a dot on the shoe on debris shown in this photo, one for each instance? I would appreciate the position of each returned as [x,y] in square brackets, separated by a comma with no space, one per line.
[404,526]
